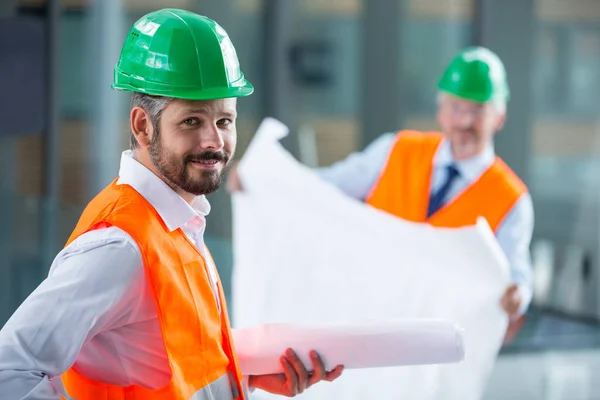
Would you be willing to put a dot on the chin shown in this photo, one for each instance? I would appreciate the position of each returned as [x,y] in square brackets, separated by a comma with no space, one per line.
[465,150]
[202,173]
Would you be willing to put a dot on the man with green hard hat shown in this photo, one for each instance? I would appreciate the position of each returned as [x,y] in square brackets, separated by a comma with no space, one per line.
[133,307]
[451,178]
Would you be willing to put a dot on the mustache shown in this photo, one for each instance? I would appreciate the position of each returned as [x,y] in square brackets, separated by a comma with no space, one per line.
[208,156]
[468,130]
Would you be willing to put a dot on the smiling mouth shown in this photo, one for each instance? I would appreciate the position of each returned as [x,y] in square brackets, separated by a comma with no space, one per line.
[210,162]
[205,163]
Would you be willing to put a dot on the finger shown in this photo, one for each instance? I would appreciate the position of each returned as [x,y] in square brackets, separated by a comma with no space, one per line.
[508,305]
[510,296]
[300,369]
[334,374]
[514,307]
[319,371]
[291,379]
[515,299]
[516,296]
[509,292]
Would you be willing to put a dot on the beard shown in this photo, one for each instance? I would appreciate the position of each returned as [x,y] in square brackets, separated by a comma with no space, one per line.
[175,168]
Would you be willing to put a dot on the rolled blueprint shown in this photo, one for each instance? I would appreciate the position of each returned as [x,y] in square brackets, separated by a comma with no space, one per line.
[366,345]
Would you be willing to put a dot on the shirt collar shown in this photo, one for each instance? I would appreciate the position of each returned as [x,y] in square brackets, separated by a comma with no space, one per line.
[470,168]
[172,208]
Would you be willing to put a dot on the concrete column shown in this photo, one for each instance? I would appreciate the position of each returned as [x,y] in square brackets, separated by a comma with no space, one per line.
[381,79]
[52,138]
[108,109]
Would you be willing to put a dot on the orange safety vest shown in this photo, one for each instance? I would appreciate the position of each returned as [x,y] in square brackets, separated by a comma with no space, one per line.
[403,188]
[197,337]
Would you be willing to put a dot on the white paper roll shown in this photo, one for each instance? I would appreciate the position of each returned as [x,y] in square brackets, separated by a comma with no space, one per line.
[366,345]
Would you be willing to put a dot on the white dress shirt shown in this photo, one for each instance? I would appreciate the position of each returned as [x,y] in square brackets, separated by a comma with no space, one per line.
[95,309]
[358,173]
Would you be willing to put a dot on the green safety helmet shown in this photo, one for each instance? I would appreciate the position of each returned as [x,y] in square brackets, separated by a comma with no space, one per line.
[476,74]
[176,53]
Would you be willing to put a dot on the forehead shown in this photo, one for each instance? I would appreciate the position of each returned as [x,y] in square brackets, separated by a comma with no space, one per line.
[457,101]
[209,107]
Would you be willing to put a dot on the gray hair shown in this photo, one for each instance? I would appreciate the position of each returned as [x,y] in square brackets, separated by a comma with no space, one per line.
[154,106]
[499,105]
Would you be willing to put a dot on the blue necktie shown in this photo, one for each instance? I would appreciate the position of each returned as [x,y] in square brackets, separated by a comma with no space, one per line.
[436,201]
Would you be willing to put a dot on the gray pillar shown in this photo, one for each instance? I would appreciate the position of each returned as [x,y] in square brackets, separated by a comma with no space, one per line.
[507,27]
[278,19]
[52,138]
[222,12]
[8,187]
[8,8]
[108,106]
[381,78]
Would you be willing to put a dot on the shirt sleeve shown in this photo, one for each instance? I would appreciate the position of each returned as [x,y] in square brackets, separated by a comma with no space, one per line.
[514,236]
[80,297]
[358,173]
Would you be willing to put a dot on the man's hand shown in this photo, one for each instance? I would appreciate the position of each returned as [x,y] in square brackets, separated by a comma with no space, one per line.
[511,301]
[295,378]
[234,184]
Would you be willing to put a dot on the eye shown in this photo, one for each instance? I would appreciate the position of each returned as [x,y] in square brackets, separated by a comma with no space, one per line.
[191,121]
[224,122]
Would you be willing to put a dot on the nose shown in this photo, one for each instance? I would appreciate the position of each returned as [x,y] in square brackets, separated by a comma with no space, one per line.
[464,120]
[211,138]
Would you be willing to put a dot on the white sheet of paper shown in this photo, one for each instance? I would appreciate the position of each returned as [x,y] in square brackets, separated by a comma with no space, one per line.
[381,343]
[304,253]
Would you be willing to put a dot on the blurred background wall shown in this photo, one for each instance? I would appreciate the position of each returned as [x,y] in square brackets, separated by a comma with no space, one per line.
[339,73]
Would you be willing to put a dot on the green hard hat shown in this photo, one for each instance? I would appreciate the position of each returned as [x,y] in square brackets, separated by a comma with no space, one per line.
[176,53]
[476,74]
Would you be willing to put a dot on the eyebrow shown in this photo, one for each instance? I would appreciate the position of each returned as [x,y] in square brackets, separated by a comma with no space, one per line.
[225,113]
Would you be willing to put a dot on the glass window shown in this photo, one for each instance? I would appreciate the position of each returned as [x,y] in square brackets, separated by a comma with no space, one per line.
[434,31]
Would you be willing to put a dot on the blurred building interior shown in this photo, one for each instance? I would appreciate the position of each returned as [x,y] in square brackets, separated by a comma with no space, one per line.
[339,73]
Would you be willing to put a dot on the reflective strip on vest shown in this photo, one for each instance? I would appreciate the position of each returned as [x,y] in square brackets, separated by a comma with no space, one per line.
[223,388]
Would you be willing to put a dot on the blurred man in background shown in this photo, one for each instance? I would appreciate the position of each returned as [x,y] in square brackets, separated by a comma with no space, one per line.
[449,179]
[133,307]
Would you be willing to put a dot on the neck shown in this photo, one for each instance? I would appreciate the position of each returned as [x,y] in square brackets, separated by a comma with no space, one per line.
[462,154]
